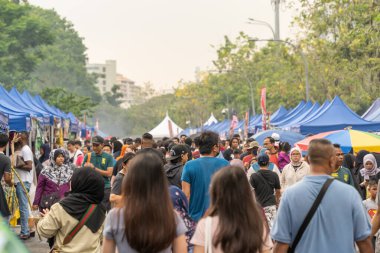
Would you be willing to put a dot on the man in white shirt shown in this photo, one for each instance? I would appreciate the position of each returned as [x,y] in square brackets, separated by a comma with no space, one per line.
[25,171]
[76,156]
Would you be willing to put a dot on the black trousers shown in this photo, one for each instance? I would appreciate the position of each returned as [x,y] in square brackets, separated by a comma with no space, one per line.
[106,199]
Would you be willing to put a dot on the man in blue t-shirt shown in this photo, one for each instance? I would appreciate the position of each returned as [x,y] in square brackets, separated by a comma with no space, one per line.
[196,175]
[340,220]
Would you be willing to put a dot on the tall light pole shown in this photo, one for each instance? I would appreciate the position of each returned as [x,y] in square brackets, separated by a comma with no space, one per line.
[306,66]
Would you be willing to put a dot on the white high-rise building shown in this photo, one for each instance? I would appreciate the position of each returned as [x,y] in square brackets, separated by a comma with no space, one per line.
[106,74]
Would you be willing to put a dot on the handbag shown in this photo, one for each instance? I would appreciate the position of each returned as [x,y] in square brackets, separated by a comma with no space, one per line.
[310,215]
[19,161]
[86,216]
[48,200]
[208,235]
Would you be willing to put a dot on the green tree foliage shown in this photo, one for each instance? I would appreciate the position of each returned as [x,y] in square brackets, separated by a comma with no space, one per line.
[68,101]
[343,44]
[114,97]
[64,63]
[22,33]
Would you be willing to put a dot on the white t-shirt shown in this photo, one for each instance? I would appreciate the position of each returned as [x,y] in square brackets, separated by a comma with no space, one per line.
[26,176]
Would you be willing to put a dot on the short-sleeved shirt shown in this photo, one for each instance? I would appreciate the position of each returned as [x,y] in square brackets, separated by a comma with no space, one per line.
[337,223]
[117,183]
[102,161]
[5,165]
[27,155]
[344,175]
[114,229]
[198,174]
[264,191]
[200,235]
[371,207]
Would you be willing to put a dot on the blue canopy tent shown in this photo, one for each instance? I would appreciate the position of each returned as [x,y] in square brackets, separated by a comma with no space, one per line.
[285,136]
[290,113]
[74,123]
[301,116]
[4,123]
[17,97]
[278,114]
[311,116]
[49,108]
[289,118]
[17,105]
[18,121]
[337,116]
[373,112]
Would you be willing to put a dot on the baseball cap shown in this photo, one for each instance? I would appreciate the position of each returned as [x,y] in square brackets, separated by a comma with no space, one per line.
[97,139]
[253,144]
[176,151]
[263,160]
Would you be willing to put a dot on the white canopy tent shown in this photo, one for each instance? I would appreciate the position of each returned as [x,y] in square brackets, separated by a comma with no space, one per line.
[167,128]
[211,120]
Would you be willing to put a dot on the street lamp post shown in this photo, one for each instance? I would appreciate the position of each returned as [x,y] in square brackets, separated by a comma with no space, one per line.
[306,66]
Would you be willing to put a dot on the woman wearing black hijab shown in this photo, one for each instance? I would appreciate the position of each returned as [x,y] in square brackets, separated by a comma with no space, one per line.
[83,203]
[45,152]
[117,145]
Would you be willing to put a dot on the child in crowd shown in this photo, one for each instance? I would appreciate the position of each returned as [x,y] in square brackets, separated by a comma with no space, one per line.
[370,204]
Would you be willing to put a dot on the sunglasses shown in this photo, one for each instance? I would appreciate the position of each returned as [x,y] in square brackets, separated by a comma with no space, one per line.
[95,144]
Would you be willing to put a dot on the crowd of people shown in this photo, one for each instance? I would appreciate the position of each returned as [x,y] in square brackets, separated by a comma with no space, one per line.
[196,195]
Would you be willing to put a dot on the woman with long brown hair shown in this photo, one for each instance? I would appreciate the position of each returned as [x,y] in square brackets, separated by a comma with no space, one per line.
[234,222]
[147,222]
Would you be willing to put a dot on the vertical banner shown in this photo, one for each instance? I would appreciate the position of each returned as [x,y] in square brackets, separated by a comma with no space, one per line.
[246,123]
[263,107]
[234,124]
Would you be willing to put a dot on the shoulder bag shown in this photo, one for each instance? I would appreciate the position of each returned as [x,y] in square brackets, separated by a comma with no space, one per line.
[86,216]
[310,215]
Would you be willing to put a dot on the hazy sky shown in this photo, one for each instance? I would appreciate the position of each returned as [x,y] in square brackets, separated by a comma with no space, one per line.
[163,41]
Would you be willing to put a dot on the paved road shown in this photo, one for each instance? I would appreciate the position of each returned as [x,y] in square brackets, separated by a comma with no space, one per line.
[34,244]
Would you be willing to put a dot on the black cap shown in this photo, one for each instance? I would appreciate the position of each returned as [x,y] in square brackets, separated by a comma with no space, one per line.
[97,139]
[176,151]
[263,160]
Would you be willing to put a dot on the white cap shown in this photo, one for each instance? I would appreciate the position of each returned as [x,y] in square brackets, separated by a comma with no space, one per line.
[276,136]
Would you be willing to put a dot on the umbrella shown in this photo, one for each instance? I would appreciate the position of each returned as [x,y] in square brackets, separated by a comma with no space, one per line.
[348,139]
[285,136]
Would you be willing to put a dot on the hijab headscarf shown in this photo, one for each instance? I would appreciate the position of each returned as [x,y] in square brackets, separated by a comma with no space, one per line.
[117,148]
[359,159]
[87,187]
[372,172]
[58,174]
[295,164]
[45,156]
[181,205]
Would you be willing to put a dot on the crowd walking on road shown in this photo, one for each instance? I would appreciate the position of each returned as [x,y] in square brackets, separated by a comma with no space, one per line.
[193,194]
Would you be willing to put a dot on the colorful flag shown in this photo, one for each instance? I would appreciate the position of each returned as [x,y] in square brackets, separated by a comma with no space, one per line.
[234,124]
[246,123]
[264,107]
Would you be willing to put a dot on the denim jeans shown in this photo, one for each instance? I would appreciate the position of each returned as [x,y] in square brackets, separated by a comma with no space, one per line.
[24,207]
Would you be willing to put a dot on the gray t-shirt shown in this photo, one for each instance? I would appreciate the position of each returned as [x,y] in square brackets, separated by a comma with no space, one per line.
[114,230]
[117,183]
